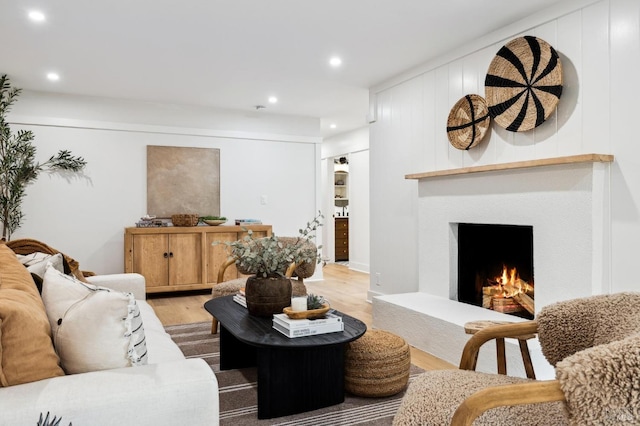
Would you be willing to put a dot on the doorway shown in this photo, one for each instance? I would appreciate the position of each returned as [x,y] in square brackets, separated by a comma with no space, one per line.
[354,200]
[341,208]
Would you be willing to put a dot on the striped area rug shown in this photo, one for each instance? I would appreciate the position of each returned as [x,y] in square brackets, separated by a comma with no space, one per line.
[238,393]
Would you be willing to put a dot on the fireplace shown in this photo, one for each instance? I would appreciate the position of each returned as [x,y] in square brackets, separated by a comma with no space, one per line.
[566,207]
[495,268]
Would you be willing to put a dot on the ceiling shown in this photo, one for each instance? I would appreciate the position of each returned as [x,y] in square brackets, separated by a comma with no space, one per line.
[234,54]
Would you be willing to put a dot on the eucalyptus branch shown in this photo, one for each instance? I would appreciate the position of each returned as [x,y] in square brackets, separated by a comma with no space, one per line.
[65,161]
[269,256]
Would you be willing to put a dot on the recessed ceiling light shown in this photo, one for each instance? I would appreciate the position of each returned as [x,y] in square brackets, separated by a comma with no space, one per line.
[335,61]
[273,99]
[52,76]
[36,16]
[333,125]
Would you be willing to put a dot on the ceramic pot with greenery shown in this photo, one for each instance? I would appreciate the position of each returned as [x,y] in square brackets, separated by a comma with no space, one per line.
[267,296]
[271,261]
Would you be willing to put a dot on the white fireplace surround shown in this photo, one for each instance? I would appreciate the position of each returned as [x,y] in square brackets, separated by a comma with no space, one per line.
[566,204]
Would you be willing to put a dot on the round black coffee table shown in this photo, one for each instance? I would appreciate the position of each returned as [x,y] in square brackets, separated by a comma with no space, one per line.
[294,374]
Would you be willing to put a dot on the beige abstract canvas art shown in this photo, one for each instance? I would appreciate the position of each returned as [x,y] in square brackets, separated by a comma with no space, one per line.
[183,180]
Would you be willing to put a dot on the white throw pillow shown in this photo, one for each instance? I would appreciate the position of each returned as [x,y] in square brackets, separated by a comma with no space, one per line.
[36,262]
[94,328]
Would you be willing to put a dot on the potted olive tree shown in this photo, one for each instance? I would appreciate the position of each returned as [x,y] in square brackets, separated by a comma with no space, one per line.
[18,167]
[271,261]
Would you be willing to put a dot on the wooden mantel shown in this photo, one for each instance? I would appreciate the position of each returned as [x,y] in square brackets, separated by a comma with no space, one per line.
[573,159]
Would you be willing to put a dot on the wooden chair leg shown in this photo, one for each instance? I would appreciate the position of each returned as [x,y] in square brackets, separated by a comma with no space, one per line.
[526,358]
[214,326]
[502,360]
[473,327]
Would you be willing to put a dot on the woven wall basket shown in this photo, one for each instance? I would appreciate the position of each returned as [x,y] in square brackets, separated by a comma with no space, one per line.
[523,84]
[468,122]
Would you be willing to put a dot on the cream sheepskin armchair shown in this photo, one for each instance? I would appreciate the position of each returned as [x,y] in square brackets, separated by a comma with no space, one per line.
[594,345]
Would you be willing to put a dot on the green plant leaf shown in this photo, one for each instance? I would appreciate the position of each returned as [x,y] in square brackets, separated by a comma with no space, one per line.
[18,167]
[269,256]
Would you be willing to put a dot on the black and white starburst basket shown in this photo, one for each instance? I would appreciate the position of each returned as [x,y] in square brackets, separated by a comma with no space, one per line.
[523,84]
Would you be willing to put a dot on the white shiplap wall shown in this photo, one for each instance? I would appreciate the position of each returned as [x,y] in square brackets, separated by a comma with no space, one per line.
[599,45]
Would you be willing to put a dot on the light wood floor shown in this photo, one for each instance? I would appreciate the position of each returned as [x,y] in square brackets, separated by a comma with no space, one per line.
[345,289]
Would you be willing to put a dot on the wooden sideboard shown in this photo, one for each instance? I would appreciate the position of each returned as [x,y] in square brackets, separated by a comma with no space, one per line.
[182,258]
[342,238]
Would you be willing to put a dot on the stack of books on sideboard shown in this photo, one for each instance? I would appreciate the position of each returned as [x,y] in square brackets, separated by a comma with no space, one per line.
[330,323]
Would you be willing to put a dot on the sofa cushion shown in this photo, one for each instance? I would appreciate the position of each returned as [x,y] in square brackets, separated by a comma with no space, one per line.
[28,246]
[94,328]
[26,350]
[36,264]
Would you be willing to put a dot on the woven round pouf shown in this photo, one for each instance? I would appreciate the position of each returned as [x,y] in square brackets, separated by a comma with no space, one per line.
[377,364]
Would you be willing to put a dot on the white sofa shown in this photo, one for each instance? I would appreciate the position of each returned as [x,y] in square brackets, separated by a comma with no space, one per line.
[170,390]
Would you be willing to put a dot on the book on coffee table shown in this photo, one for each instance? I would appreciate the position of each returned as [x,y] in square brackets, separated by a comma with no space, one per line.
[240,299]
[289,323]
[310,330]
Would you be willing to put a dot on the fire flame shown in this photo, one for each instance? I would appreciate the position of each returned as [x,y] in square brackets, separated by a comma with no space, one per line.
[507,293]
[510,283]
[508,276]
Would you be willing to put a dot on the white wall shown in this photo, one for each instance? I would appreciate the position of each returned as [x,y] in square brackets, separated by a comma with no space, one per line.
[85,216]
[355,144]
[599,45]
[359,246]
[345,143]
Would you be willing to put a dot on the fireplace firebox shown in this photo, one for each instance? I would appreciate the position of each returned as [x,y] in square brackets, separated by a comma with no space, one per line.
[495,268]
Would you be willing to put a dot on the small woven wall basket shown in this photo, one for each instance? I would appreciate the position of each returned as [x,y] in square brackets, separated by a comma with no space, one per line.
[523,84]
[185,219]
[468,122]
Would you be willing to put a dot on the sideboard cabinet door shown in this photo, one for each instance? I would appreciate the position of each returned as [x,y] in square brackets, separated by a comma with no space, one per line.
[182,258]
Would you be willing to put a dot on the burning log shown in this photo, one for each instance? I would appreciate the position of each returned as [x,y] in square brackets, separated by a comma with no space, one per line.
[508,293]
[524,287]
[506,305]
[488,293]
[486,301]
[525,301]
[511,288]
